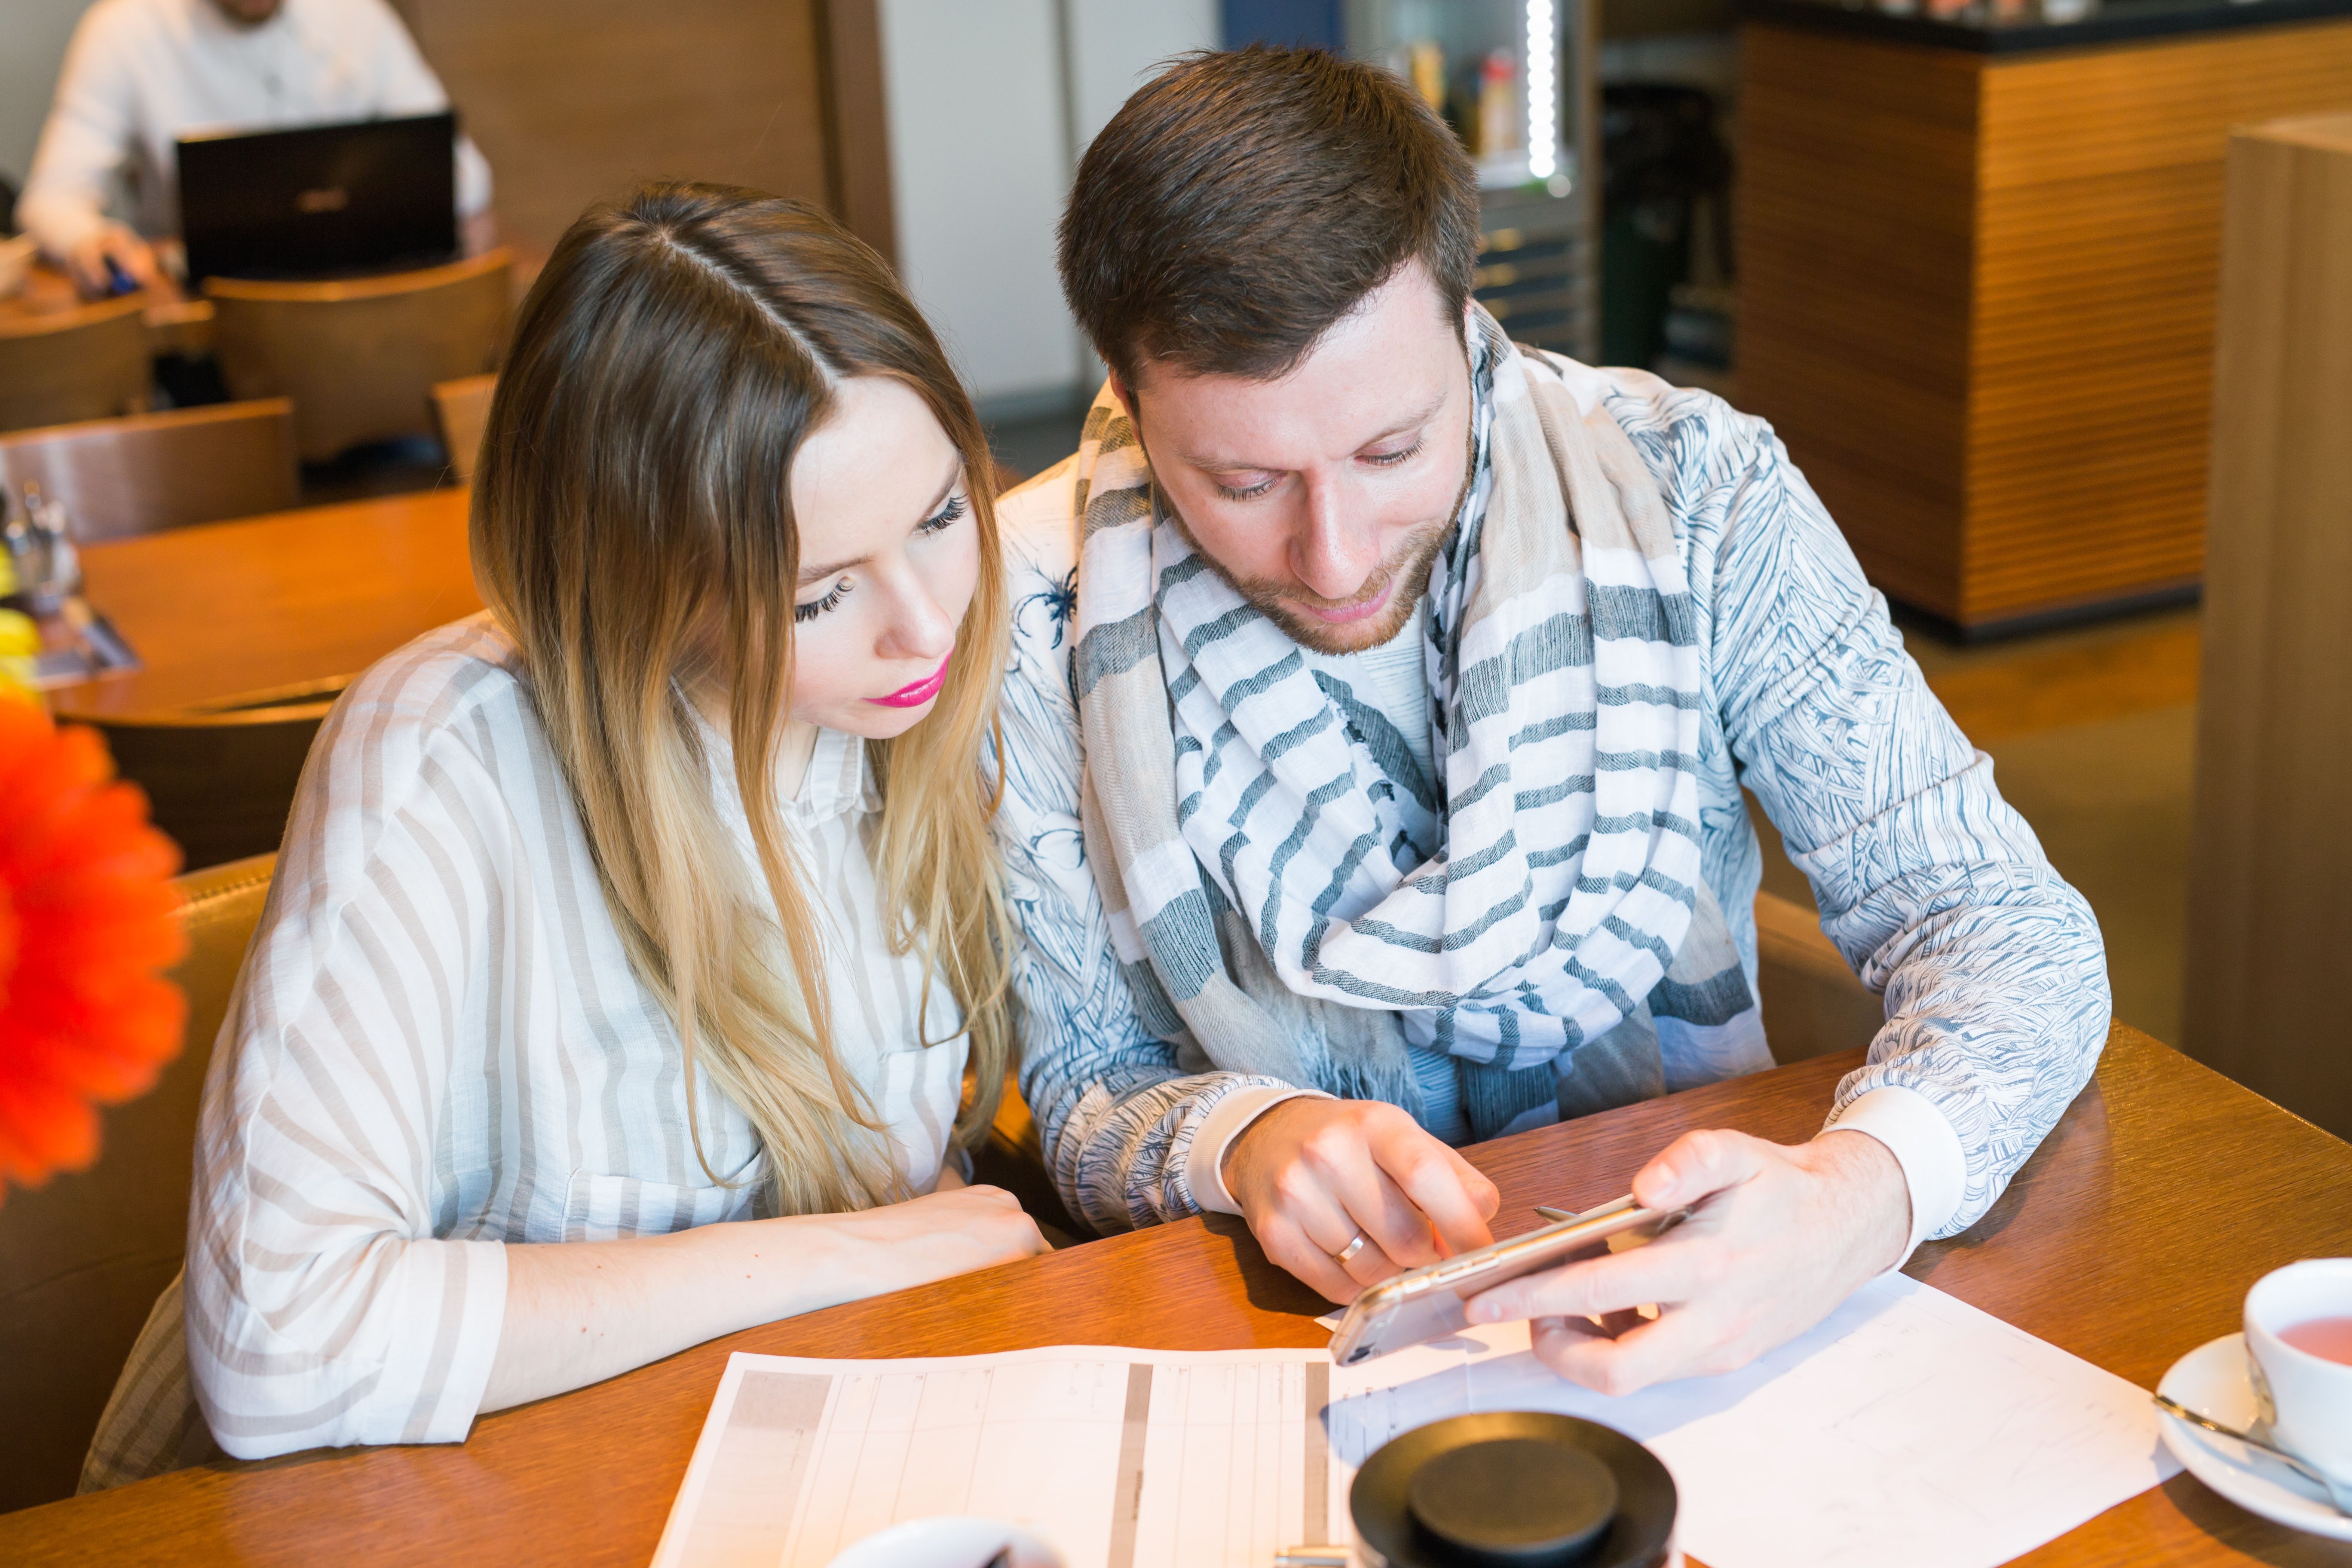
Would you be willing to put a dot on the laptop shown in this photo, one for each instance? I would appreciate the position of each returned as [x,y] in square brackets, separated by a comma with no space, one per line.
[322,200]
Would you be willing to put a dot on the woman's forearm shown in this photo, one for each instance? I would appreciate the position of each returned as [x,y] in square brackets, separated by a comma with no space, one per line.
[578,1312]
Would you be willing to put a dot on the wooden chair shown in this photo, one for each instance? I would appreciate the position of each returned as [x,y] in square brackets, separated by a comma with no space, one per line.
[117,478]
[1014,1157]
[83,1258]
[1813,1004]
[360,356]
[220,784]
[90,363]
[462,408]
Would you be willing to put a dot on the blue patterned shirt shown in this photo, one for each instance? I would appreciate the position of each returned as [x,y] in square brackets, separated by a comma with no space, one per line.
[1933,888]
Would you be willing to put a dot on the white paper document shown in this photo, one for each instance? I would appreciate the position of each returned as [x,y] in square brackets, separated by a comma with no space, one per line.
[1908,1426]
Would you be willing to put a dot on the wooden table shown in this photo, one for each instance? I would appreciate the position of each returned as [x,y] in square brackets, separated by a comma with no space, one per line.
[287,605]
[2129,1239]
[173,325]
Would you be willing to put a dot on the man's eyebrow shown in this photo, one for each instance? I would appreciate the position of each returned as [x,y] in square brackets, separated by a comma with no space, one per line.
[1411,421]
[814,573]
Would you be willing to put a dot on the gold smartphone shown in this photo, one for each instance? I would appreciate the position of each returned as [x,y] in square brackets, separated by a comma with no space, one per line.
[1426,1303]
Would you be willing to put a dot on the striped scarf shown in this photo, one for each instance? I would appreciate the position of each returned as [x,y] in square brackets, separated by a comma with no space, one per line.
[1284,903]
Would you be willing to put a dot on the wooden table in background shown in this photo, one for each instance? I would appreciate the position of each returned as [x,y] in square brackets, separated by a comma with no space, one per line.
[173,325]
[228,611]
[2130,1238]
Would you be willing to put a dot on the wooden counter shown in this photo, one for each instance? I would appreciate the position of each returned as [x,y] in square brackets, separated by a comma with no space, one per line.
[1977,291]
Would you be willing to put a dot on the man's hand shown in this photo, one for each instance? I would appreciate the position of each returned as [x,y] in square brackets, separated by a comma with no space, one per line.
[126,250]
[1312,1174]
[1776,1238]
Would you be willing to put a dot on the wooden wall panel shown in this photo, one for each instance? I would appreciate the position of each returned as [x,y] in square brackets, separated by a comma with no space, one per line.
[2270,919]
[2098,239]
[575,99]
[1855,222]
[1977,296]
[857,120]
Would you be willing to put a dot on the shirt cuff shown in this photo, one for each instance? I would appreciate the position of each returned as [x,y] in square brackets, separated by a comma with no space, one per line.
[1923,1143]
[1205,1166]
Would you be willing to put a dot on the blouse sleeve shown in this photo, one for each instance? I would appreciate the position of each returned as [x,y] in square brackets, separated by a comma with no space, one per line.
[321,1309]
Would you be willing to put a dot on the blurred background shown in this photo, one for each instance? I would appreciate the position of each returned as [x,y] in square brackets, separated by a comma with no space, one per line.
[1966,255]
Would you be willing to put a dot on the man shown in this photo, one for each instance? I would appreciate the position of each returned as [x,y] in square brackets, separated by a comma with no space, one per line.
[140,74]
[1380,701]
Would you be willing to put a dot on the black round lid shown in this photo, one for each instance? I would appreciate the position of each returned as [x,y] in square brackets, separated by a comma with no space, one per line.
[1512,1501]
[1514,1490]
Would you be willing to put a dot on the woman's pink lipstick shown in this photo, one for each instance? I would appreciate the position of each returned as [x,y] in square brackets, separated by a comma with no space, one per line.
[922,691]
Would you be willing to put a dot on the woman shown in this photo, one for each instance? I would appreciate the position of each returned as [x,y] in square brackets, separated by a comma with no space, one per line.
[658,895]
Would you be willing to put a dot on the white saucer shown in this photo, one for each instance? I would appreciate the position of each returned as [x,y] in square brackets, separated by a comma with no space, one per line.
[2211,1380]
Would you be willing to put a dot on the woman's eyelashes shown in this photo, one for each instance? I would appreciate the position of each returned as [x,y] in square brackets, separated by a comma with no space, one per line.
[938,522]
[802,613]
[945,517]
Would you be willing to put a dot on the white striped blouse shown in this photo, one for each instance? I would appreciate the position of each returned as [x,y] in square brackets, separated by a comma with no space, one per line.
[439,1046]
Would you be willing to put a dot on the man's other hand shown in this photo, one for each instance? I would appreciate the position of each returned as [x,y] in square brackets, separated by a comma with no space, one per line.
[1313,1174]
[1776,1238]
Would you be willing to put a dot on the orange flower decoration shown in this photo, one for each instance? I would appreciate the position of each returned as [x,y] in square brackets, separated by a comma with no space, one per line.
[88,918]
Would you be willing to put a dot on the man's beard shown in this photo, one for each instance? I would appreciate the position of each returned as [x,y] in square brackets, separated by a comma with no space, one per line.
[1406,570]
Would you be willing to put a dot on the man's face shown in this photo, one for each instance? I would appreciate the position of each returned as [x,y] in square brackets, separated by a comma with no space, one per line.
[247,13]
[1323,497]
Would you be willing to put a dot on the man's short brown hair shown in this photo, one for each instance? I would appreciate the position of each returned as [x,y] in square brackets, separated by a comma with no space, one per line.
[1241,204]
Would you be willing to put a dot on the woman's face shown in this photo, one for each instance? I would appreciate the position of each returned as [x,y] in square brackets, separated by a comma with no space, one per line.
[889,556]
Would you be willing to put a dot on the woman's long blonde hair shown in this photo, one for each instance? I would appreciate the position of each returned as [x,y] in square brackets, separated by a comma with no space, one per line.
[633,530]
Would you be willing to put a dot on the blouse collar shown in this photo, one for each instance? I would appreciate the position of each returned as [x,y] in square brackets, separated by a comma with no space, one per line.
[838,780]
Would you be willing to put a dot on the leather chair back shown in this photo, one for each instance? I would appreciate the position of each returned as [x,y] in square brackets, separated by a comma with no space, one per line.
[88,363]
[117,478]
[1813,1004]
[462,408]
[83,1258]
[221,785]
[360,356]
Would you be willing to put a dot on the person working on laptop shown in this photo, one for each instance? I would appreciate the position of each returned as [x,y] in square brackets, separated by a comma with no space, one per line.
[140,74]
[1381,696]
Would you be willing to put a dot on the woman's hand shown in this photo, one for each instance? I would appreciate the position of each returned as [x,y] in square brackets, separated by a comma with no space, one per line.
[581,1312]
[938,1236]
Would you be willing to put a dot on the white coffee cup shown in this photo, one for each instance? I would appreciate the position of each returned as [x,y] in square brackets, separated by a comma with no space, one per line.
[950,1541]
[2306,1399]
